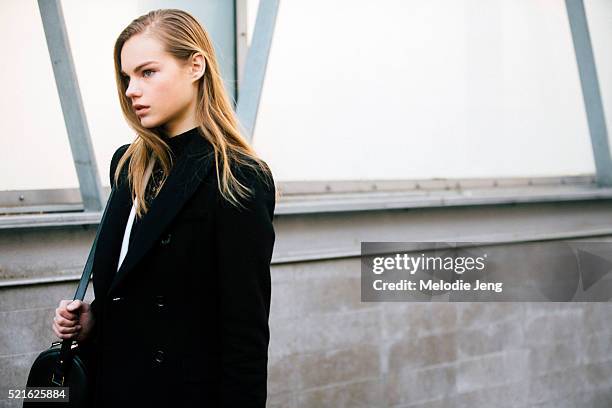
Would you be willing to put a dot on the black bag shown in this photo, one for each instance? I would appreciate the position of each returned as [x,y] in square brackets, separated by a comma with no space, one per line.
[75,371]
[67,365]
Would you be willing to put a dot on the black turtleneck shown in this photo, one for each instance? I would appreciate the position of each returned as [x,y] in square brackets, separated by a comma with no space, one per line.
[177,143]
[177,146]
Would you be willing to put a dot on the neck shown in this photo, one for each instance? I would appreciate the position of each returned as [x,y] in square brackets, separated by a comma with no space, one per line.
[180,130]
[181,124]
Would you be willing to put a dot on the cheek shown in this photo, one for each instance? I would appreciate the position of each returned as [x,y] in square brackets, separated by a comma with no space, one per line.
[161,91]
[170,96]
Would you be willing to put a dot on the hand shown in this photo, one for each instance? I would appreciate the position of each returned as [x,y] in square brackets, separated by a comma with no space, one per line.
[73,320]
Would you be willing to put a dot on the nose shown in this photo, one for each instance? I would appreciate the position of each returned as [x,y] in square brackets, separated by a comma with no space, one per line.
[132,90]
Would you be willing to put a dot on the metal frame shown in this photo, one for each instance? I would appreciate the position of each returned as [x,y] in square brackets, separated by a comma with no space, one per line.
[68,199]
[72,104]
[255,65]
[343,197]
[590,90]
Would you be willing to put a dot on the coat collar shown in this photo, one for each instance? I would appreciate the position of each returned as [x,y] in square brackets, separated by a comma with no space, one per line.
[190,168]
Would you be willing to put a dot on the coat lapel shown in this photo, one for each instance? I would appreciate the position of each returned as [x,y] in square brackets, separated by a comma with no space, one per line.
[109,241]
[190,168]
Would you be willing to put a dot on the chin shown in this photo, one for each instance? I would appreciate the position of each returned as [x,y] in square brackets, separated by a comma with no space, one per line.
[149,122]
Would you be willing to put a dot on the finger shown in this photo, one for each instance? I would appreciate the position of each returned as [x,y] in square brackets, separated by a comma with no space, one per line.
[64,303]
[66,330]
[67,315]
[65,335]
[65,322]
[62,336]
[74,305]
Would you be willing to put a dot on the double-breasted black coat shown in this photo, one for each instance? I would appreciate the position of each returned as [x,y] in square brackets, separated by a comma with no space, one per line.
[184,321]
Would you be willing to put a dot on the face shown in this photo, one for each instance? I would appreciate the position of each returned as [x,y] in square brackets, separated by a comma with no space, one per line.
[165,86]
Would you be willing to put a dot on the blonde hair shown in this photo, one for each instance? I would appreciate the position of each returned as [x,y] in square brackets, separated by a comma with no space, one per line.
[182,36]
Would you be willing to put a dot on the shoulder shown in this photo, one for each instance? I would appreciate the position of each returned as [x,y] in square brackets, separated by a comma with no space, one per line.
[115,160]
[119,153]
[256,175]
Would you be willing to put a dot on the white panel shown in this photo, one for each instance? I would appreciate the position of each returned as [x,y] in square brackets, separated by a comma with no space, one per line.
[33,135]
[34,141]
[252,7]
[397,89]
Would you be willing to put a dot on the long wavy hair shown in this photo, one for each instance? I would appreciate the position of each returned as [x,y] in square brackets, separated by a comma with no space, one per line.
[182,36]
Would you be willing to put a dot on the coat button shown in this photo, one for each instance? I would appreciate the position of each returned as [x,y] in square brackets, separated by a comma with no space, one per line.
[166,240]
[158,357]
[160,300]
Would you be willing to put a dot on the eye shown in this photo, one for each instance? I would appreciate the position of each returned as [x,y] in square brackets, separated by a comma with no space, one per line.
[145,71]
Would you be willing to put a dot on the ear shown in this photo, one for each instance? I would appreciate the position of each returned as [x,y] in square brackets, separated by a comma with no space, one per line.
[197,66]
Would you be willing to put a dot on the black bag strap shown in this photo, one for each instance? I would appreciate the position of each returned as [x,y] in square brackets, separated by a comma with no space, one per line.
[82,288]
[65,356]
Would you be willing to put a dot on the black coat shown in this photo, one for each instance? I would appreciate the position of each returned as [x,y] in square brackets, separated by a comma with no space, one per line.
[184,322]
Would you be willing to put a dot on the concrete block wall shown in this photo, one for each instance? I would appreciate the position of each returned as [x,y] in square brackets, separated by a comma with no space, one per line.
[329,349]
[26,315]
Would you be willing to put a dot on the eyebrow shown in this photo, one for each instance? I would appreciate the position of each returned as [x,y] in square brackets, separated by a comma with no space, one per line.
[140,66]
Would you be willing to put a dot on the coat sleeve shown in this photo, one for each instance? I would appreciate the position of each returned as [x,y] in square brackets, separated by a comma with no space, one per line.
[244,240]
[113,166]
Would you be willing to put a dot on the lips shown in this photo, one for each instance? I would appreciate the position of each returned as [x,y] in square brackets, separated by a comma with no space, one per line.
[139,109]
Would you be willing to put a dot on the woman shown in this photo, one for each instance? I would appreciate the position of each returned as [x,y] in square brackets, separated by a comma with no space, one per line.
[182,295]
